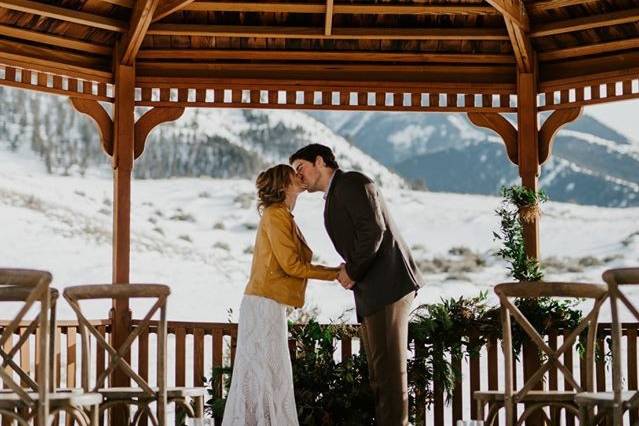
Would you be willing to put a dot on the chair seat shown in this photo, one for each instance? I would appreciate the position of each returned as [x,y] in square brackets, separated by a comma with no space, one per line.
[532,396]
[136,392]
[56,400]
[603,398]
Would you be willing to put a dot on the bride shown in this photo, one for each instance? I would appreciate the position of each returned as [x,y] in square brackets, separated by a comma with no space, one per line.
[261,392]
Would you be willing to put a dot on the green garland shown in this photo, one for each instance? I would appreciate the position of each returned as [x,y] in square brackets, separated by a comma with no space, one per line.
[518,202]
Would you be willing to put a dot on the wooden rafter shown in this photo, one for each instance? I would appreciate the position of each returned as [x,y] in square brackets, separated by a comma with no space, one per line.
[65,14]
[541,6]
[52,40]
[318,33]
[140,21]
[551,126]
[328,20]
[50,60]
[517,26]
[590,49]
[294,55]
[514,12]
[356,9]
[169,7]
[586,23]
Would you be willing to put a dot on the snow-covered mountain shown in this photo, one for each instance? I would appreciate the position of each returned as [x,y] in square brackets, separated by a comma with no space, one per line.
[220,143]
[591,163]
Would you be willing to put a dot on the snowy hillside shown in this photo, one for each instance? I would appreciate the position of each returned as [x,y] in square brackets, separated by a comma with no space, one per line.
[197,234]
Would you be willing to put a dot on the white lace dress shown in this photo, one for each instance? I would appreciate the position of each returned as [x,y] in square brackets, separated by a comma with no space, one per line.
[261,392]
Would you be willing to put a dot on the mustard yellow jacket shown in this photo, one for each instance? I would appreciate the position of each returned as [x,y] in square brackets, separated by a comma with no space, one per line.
[282,259]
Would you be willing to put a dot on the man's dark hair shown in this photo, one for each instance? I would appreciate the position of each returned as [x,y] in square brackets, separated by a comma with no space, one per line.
[310,153]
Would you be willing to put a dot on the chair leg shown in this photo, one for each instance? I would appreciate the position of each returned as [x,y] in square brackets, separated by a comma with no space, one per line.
[584,418]
[199,406]
[94,415]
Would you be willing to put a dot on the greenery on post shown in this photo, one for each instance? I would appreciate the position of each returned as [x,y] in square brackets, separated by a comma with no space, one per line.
[520,205]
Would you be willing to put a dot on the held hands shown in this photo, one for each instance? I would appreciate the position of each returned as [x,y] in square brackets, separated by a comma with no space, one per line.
[344,279]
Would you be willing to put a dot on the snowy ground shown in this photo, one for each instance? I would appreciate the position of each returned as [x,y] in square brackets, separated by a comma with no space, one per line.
[196,235]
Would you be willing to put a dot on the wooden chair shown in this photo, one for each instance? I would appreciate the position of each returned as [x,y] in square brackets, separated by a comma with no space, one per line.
[538,399]
[38,399]
[618,401]
[143,394]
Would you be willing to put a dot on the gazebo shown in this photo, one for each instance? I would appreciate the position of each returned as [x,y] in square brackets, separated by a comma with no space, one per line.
[484,58]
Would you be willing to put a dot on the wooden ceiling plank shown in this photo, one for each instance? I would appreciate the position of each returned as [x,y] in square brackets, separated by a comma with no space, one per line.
[315,56]
[339,33]
[64,14]
[140,21]
[586,23]
[54,40]
[169,7]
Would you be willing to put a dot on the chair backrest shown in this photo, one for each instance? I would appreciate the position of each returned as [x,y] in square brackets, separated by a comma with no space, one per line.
[618,280]
[30,287]
[536,290]
[117,356]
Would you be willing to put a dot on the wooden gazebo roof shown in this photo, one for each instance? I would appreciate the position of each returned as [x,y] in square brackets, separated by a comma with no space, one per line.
[459,55]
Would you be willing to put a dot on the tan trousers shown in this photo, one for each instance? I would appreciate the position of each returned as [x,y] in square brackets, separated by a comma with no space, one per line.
[385,338]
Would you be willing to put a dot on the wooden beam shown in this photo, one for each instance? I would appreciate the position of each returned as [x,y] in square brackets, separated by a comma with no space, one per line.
[517,26]
[528,151]
[590,49]
[522,48]
[152,118]
[101,118]
[56,41]
[314,56]
[65,14]
[498,124]
[328,20]
[586,23]
[50,60]
[318,33]
[140,21]
[123,123]
[551,126]
[581,69]
[541,6]
[169,7]
[318,8]
[514,12]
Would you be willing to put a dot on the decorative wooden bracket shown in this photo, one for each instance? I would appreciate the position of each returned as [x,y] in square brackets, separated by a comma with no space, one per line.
[553,123]
[148,121]
[501,126]
[94,110]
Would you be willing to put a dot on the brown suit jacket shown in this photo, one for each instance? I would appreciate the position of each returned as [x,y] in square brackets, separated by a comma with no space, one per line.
[364,234]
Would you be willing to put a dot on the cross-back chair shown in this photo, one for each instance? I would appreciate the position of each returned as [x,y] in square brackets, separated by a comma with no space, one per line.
[536,400]
[143,394]
[614,404]
[37,399]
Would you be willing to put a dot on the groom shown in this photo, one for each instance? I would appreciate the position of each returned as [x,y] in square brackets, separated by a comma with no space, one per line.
[378,268]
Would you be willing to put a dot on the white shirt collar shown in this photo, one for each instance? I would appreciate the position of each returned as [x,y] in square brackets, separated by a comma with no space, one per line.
[330,182]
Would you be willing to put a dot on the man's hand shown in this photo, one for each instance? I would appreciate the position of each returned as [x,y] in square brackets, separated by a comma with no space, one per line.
[344,279]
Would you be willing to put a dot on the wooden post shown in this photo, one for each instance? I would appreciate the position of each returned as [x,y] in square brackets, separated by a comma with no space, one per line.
[528,150]
[123,122]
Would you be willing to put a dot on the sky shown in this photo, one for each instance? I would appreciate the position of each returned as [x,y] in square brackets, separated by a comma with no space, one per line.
[623,116]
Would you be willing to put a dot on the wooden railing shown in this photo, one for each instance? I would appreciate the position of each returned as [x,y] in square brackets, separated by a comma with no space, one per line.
[195,347]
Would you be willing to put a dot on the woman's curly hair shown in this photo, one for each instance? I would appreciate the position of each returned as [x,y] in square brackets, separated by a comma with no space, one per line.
[271,185]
